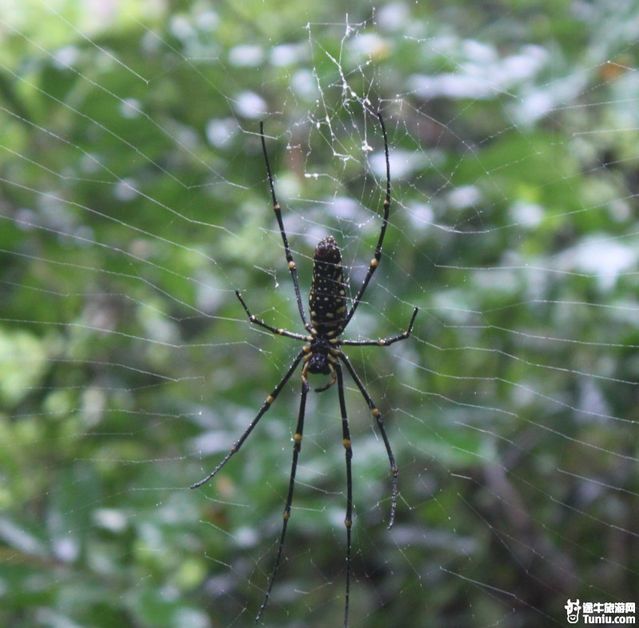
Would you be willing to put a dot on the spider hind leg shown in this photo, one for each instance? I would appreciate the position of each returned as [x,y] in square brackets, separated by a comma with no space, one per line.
[297,447]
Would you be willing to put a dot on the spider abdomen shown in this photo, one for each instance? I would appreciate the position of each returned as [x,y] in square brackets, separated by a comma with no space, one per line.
[327,298]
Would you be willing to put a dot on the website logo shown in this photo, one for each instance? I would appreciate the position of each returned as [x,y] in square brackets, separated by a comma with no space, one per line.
[572,611]
[600,612]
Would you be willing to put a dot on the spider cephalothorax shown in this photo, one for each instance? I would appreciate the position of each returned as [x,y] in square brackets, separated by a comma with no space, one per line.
[322,354]
[319,351]
[321,358]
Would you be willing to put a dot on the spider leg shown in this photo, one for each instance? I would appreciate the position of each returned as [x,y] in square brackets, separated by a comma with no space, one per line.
[287,250]
[265,406]
[380,424]
[274,330]
[297,446]
[374,263]
[348,520]
[382,342]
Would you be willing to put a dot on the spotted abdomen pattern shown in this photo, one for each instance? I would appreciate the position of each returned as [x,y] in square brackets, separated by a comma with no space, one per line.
[327,298]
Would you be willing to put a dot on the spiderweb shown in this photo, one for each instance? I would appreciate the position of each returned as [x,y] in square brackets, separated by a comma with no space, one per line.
[134,203]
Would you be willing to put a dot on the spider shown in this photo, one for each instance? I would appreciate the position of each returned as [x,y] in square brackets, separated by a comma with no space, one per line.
[322,354]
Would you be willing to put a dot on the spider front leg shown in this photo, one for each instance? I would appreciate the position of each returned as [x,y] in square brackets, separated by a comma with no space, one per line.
[374,263]
[274,330]
[265,406]
[297,446]
[380,424]
[383,342]
[287,249]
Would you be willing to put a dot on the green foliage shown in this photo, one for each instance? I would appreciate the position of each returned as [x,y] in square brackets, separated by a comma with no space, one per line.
[134,203]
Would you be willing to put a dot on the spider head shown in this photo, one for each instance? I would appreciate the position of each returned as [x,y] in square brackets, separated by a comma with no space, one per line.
[318,362]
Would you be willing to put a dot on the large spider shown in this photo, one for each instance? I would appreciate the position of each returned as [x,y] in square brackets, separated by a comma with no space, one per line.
[321,354]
